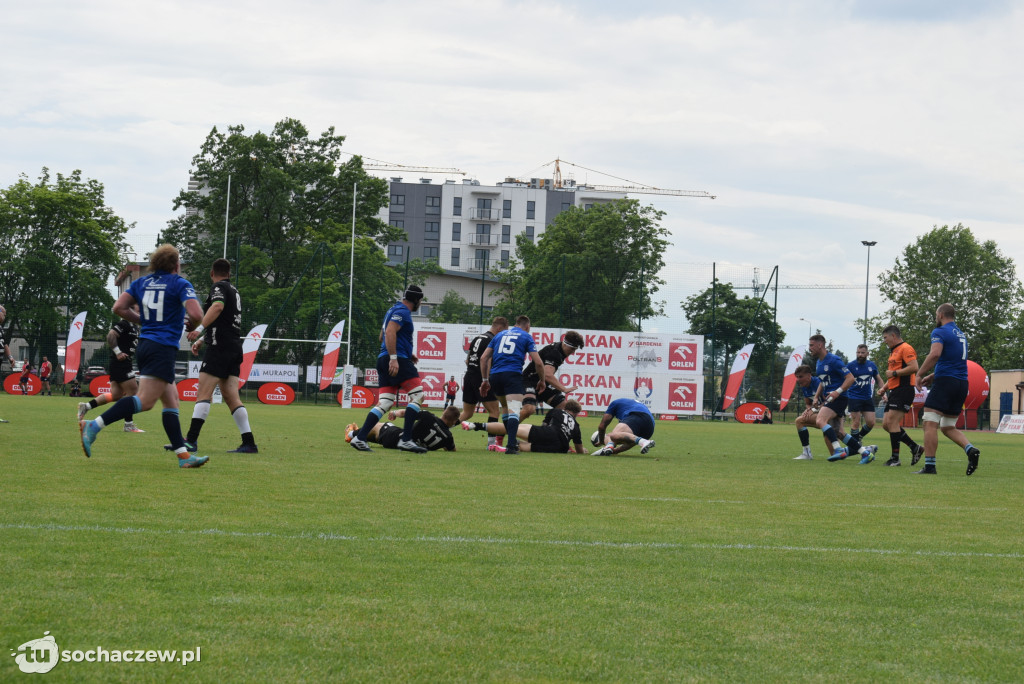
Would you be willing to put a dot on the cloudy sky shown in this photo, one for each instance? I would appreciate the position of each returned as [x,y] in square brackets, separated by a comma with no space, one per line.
[817,123]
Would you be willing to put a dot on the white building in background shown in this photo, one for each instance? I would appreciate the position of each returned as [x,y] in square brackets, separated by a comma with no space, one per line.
[469,229]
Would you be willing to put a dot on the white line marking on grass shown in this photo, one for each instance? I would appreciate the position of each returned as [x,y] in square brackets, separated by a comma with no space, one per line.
[802,504]
[505,541]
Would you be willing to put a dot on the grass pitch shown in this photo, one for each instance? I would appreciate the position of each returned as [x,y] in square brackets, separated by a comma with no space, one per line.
[716,557]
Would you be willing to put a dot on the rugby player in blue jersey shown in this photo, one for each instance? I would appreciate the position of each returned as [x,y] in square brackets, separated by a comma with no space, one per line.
[810,387]
[635,427]
[164,300]
[501,367]
[861,397]
[945,401]
[836,378]
[396,370]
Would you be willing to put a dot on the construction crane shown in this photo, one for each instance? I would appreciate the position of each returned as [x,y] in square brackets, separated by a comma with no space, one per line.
[633,186]
[379,165]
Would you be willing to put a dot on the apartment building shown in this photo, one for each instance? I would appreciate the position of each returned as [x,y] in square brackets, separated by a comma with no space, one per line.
[470,229]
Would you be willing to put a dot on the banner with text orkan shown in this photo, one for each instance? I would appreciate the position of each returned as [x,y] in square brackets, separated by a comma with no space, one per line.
[662,371]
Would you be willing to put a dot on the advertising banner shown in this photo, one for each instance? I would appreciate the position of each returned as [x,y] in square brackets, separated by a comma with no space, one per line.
[789,380]
[331,355]
[663,371]
[73,354]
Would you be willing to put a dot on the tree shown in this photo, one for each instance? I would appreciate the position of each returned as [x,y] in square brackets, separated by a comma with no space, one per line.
[730,321]
[455,309]
[289,234]
[593,268]
[59,246]
[950,265]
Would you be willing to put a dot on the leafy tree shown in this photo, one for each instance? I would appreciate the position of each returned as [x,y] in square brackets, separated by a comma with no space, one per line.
[950,265]
[593,268]
[289,234]
[59,246]
[731,321]
[455,309]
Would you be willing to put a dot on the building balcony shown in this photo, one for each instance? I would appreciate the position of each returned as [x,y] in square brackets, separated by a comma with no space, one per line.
[483,240]
[478,214]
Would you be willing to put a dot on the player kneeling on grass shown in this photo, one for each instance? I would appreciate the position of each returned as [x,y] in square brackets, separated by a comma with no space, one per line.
[635,427]
[553,436]
[429,431]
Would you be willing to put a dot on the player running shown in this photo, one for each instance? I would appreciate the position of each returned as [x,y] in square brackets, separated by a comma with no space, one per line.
[836,378]
[395,369]
[945,401]
[861,397]
[164,299]
[122,338]
[635,427]
[221,328]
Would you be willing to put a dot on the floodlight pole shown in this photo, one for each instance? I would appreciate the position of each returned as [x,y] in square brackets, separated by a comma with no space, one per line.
[808,327]
[867,284]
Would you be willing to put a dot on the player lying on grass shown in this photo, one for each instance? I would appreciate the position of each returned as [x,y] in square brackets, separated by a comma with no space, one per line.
[429,431]
[635,427]
[551,437]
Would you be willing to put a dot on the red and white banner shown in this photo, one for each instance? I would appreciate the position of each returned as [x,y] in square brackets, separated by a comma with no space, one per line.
[12,383]
[188,389]
[662,371]
[739,369]
[276,393]
[789,380]
[250,346]
[100,385]
[330,364]
[361,397]
[73,354]
[751,412]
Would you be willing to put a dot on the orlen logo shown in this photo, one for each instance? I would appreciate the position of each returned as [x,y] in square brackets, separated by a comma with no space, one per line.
[12,383]
[275,393]
[433,386]
[682,396]
[751,412]
[431,345]
[100,385]
[187,389]
[362,397]
[798,357]
[682,356]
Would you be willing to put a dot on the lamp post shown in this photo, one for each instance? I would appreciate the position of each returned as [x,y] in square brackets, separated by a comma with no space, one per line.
[808,327]
[867,284]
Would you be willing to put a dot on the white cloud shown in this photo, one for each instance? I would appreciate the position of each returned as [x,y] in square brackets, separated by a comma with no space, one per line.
[818,124]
